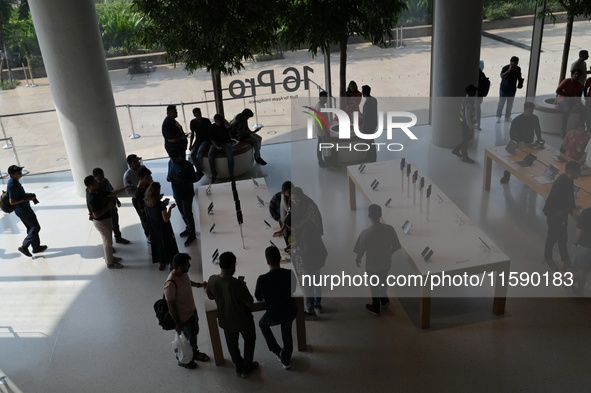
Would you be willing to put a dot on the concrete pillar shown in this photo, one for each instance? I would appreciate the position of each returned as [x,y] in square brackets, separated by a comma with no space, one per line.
[455,54]
[74,58]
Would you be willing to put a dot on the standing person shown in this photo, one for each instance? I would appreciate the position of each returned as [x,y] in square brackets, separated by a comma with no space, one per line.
[276,289]
[219,132]
[145,179]
[21,200]
[322,133]
[568,98]
[242,132]
[100,205]
[581,66]
[199,141]
[377,243]
[181,175]
[586,114]
[279,208]
[105,185]
[575,142]
[181,305]
[511,80]
[309,251]
[370,122]
[523,128]
[483,89]
[468,122]
[559,204]
[353,99]
[172,131]
[131,179]
[234,301]
[582,259]
[162,241]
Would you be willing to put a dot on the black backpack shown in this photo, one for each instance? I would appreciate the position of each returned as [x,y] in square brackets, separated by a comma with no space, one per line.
[5,203]
[162,314]
[483,84]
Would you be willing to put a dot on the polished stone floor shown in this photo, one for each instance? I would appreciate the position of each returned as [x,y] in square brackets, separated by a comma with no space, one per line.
[67,324]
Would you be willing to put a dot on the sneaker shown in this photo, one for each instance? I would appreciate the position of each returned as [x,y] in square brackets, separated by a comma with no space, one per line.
[161,267]
[319,309]
[260,161]
[39,249]
[310,316]
[567,267]
[386,305]
[25,251]
[122,240]
[505,179]
[456,153]
[508,119]
[238,371]
[115,265]
[498,119]
[285,364]
[477,128]
[551,264]
[117,259]
[191,365]
[372,310]
[200,175]
[247,371]
[185,233]
[190,240]
[468,160]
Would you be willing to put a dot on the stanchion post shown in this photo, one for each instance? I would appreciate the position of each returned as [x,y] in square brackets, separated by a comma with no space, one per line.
[133,134]
[8,145]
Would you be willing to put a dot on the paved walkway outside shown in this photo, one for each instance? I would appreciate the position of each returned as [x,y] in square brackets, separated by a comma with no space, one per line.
[390,72]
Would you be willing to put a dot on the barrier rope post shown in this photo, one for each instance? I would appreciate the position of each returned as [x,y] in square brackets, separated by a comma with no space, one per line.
[133,134]
[8,145]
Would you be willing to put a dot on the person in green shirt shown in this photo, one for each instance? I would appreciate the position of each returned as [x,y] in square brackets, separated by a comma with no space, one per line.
[234,300]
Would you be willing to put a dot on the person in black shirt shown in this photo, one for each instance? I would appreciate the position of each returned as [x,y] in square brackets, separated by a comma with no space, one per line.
[560,203]
[219,132]
[172,131]
[181,175]
[523,128]
[199,141]
[582,260]
[100,206]
[511,80]
[276,289]
[242,132]
[370,122]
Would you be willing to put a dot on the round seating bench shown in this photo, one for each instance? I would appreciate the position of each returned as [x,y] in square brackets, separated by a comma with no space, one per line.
[243,160]
[347,156]
[550,115]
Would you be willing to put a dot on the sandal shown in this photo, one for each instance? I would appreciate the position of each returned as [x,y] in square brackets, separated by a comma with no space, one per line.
[200,356]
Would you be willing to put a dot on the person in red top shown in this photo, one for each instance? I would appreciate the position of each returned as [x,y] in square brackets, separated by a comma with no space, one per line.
[575,142]
[568,95]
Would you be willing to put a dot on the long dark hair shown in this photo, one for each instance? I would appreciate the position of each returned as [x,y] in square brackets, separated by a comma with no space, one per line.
[152,196]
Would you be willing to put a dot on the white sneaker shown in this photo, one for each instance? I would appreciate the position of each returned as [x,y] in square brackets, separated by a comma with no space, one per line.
[498,119]
[508,119]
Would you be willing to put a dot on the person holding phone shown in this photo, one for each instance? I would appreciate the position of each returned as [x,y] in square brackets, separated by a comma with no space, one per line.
[162,240]
[511,80]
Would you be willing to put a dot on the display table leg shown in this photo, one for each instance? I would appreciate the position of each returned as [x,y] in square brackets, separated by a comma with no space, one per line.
[425,308]
[352,200]
[214,334]
[487,171]
[300,324]
[500,293]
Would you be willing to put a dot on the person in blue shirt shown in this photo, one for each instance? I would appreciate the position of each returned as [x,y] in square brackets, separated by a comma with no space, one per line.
[181,175]
[22,202]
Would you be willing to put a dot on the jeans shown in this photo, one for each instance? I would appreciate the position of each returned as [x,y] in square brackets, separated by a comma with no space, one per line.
[503,97]
[379,293]
[197,155]
[557,233]
[29,219]
[265,324]
[567,106]
[479,110]
[467,135]
[115,221]
[229,151]
[190,330]
[255,140]
[312,293]
[249,336]
[186,209]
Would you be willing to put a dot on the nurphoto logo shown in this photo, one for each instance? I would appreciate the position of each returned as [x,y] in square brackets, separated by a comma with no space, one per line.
[344,129]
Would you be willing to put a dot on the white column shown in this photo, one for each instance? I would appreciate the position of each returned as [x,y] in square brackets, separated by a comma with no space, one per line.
[74,58]
[455,54]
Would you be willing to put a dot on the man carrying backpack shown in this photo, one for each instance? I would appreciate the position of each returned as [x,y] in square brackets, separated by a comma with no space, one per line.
[181,305]
[21,200]
[483,88]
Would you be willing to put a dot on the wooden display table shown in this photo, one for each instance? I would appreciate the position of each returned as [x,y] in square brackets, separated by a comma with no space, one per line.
[454,239]
[226,236]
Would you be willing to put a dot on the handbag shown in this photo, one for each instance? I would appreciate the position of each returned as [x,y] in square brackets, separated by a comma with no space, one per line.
[182,347]
[162,313]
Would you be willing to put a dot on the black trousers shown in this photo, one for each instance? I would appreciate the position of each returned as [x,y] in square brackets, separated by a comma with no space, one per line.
[249,336]
[557,233]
